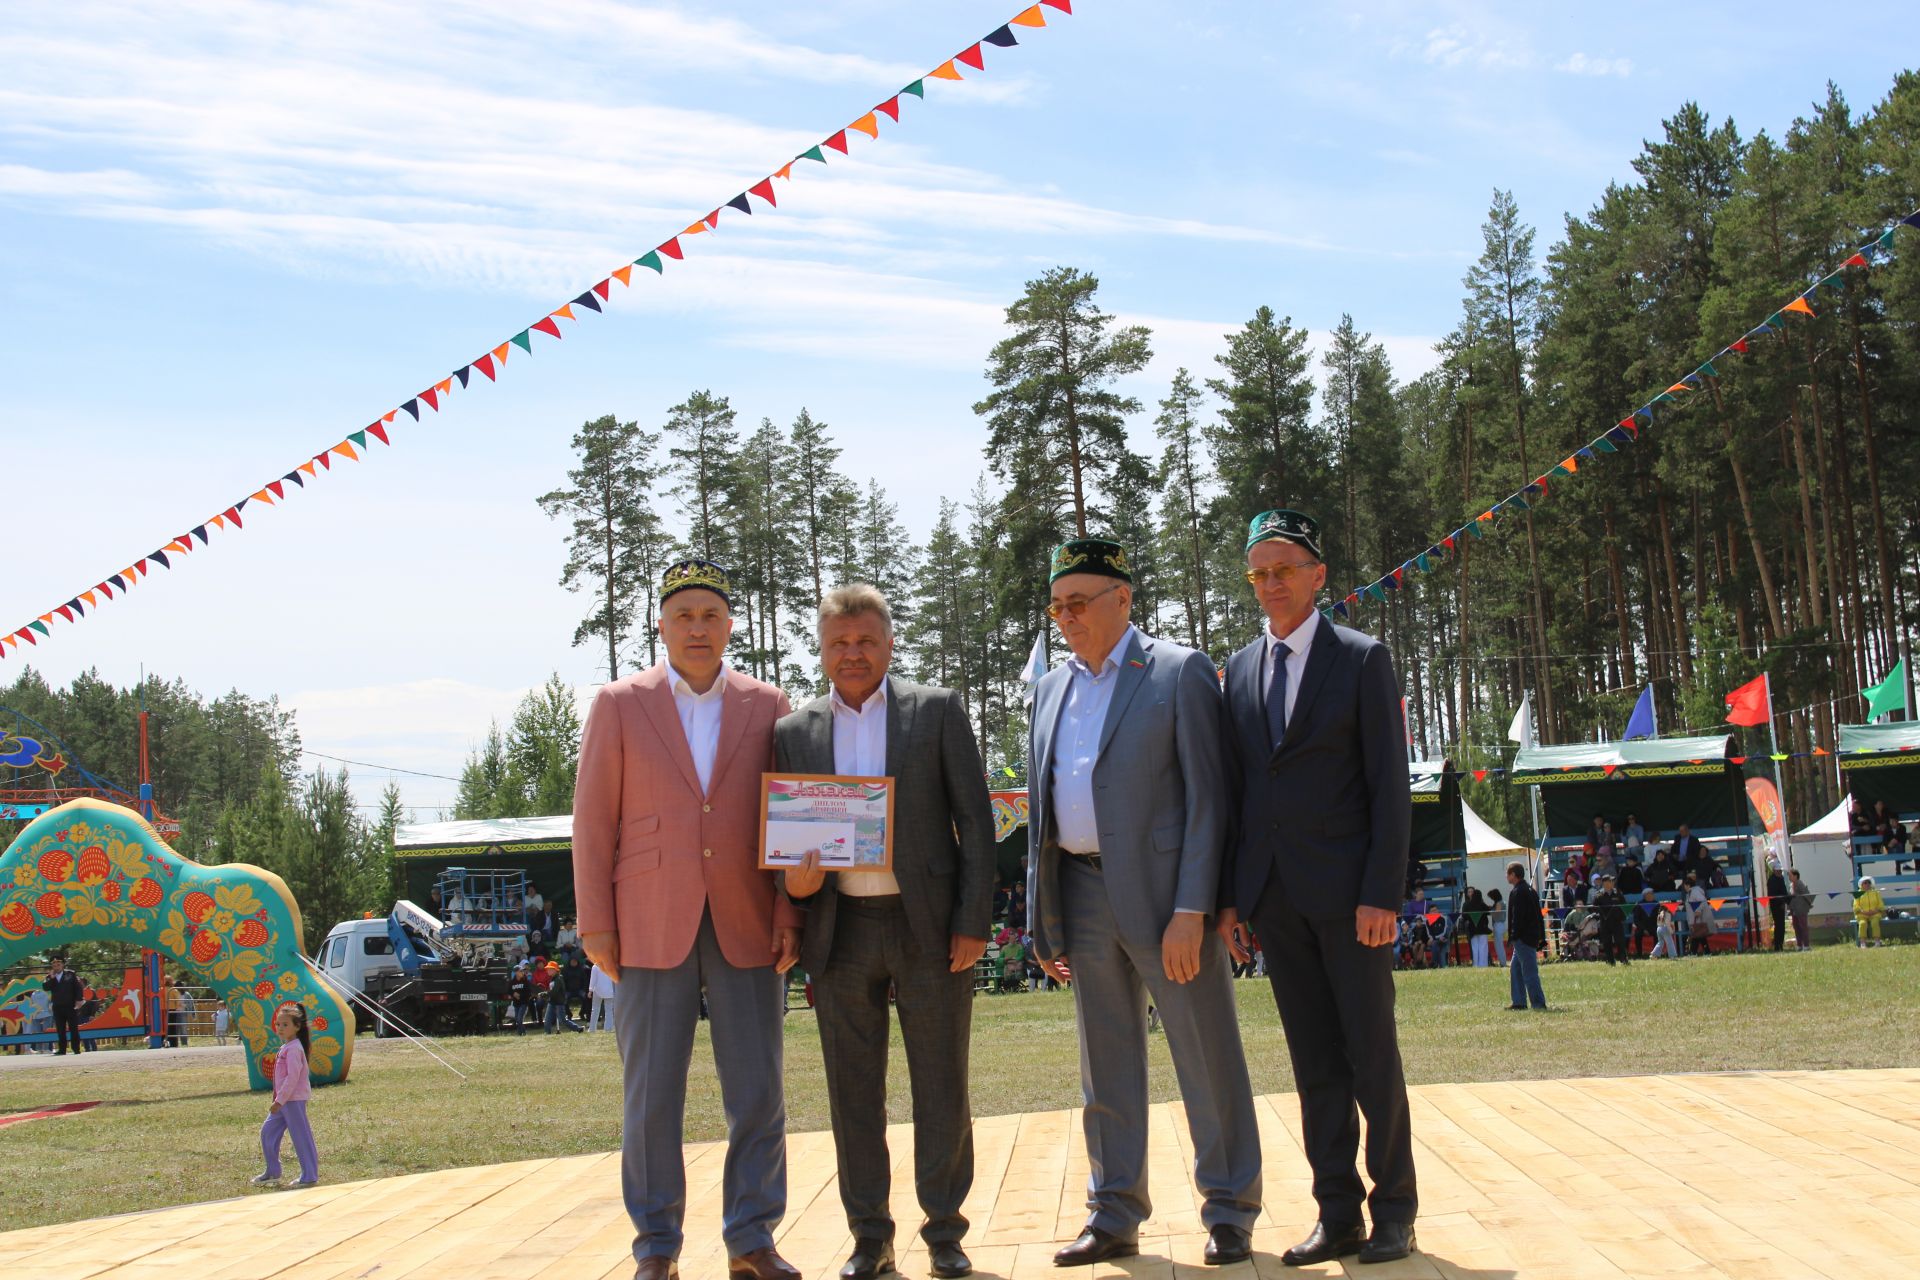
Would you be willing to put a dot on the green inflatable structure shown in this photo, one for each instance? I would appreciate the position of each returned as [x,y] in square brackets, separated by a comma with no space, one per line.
[89,871]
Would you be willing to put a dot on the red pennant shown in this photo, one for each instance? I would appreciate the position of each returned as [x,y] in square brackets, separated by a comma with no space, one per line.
[712,219]
[1740,346]
[379,433]
[276,488]
[672,247]
[604,288]
[1673,906]
[1433,917]
[233,513]
[64,612]
[1736,759]
[324,459]
[103,587]
[891,107]
[1608,769]
[485,365]
[1857,260]
[972,58]
[432,397]
[548,326]
[1479,775]
[1064,6]
[764,189]
[838,142]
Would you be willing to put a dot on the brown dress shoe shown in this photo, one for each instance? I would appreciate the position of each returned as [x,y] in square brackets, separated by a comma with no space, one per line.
[762,1264]
[657,1267]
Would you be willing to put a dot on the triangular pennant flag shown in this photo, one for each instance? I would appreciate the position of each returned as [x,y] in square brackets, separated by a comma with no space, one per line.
[233,514]
[740,202]
[379,433]
[276,487]
[500,354]
[604,288]
[672,248]
[325,460]
[1773,321]
[1678,386]
[485,365]
[117,581]
[713,220]
[1740,346]
[1030,18]
[1003,38]
[1340,607]
[66,611]
[88,597]
[413,408]
[695,228]
[868,125]
[785,171]
[1911,220]
[588,301]
[39,626]
[345,450]
[764,189]
[945,71]
[650,260]
[813,152]
[545,326]
[444,386]
[218,522]
[891,107]
[161,556]
[359,438]
[972,56]
[462,373]
[1479,775]
[1857,260]
[1707,370]
[1606,445]
[1798,304]
[624,275]
[838,142]
[432,397]
[1666,396]
[1064,6]
[918,89]
[306,467]
[522,339]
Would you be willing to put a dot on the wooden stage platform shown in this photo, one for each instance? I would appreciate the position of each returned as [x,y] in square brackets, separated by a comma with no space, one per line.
[1773,1175]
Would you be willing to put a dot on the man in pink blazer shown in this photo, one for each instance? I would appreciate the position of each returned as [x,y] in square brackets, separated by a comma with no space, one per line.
[666,842]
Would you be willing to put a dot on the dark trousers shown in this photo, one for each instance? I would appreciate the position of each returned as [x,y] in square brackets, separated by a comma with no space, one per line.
[1336,1004]
[874,950]
[1613,942]
[1778,907]
[66,1026]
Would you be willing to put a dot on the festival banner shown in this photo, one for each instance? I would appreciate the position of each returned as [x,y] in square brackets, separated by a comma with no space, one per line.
[492,362]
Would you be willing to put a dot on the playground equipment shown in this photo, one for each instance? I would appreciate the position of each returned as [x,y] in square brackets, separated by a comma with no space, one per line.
[92,871]
[38,772]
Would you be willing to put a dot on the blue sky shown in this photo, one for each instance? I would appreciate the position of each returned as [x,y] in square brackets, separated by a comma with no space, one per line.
[232,232]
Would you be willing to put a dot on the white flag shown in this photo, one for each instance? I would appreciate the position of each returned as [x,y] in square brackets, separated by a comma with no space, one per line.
[1521,730]
[1036,666]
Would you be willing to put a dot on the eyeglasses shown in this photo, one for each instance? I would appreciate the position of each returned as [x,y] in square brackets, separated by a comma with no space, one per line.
[1280,573]
[1076,605]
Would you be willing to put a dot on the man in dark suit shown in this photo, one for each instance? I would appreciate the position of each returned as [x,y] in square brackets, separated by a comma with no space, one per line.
[65,991]
[1317,750]
[918,928]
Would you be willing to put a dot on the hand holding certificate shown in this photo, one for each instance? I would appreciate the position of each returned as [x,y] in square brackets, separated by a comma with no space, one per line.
[845,822]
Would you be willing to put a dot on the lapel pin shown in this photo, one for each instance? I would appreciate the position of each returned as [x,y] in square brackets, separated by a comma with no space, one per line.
[1135,662]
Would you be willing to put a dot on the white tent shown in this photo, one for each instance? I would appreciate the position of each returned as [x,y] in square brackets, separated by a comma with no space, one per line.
[1832,827]
[1489,852]
[1822,853]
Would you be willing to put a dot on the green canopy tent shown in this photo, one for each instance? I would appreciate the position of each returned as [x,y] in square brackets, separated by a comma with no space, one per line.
[541,847]
[1882,762]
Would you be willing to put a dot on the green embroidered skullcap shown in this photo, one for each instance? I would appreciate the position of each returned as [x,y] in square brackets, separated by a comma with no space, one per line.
[1288,526]
[704,574]
[1091,555]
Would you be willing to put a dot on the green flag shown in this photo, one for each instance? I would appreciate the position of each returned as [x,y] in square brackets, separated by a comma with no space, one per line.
[1890,694]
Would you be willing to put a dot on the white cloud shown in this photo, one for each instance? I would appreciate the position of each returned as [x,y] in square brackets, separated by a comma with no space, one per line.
[1455,46]
[1582,65]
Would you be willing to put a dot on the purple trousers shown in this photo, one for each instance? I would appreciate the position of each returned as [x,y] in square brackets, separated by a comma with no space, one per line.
[291,1120]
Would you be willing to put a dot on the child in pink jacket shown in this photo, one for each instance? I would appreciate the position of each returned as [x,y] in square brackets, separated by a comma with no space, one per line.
[291,1089]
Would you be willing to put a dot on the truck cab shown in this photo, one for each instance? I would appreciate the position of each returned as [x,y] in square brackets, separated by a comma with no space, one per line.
[404,967]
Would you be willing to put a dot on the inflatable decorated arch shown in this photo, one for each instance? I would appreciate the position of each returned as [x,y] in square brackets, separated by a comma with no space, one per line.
[89,871]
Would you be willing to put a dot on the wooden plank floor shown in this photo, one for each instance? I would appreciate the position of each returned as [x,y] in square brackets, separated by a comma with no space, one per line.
[1763,1175]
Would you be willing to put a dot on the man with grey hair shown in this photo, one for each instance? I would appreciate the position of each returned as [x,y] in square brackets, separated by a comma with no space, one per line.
[918,927]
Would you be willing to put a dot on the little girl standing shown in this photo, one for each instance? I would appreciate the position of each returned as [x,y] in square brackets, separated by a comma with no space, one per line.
[291,1089]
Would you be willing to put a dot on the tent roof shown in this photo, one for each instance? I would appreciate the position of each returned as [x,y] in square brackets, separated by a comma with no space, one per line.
[1427,776]
[1482,840]
[1867,740]
[1835,825]
[1592,761]
[485,835]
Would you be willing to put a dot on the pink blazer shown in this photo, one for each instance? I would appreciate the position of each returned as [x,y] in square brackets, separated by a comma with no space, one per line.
[651,851]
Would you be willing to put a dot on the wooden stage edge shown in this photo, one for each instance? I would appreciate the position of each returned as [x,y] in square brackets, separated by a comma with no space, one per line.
[1755,1174]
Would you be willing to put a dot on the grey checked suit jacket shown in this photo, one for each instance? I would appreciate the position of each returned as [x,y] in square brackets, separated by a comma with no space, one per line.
[1159,793]
[943,849]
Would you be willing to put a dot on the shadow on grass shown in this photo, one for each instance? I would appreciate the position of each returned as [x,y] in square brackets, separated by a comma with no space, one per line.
[181,1097]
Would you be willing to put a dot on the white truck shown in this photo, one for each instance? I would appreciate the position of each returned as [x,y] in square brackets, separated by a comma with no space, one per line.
[402,964]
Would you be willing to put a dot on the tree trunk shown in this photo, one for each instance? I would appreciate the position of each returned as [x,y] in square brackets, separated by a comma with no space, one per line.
[1776,624]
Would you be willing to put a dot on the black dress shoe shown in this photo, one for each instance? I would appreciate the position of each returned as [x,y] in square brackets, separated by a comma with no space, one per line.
[1095,1245]
[947,1260]
[1327,1241]
[1227,1243]
[1390,1242]
[870,1258]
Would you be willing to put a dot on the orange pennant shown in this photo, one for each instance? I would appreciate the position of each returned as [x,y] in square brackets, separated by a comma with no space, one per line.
[444,387]
[1678,386]
[945,71]
[785,171]
[46,617]
[1800,305]
[1571,464]
[345,450]
[867,125]
[306,467]
[695,229]
[176,545]
[1031,18]
[87,596]
[389,415]
[566,311]
[220,522]
[500,352]
[263,496]
[625,275]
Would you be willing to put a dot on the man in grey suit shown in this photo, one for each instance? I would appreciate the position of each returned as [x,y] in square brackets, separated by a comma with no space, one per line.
[1128,819]
[1318,753]
[918,928]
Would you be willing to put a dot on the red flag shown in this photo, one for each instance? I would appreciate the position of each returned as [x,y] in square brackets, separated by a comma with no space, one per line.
[892,107]
[603,289]
[1064,6]
[1751,703]
[380,433]
[972,58]
[547,326]
[838,142]
[1740,346]
[1479,775]
[672,247]
[764,189]
[432,396]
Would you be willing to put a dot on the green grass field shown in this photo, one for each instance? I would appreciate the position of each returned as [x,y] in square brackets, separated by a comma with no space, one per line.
[186,1132]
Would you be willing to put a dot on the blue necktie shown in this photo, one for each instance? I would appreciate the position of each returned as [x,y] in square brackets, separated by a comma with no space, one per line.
[1277,696]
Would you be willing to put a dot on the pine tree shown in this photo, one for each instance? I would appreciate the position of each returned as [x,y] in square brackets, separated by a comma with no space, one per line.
[702,471]
[1185,535]
[1262,446]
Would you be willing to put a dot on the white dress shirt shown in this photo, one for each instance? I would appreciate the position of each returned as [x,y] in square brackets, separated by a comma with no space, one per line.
[1076,745]
[860,749]
[700,719]
[1298,642]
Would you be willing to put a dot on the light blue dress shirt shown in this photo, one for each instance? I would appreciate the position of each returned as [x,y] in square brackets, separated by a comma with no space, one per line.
[1076,745]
